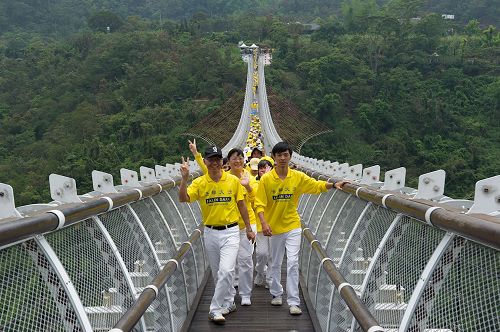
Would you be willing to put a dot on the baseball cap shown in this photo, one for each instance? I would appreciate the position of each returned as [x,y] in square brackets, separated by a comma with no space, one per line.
[271,160]
[212,151]
[254,162]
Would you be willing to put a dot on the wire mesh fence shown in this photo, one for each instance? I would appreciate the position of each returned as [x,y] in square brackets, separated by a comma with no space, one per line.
[165,243]
[341,229]
[325,289]
[309,208]
[27,301]
[302,203]
[132,244]
[109,260]
[173,217]
[464,291]
[358,247]
[178,298]
[312,276]
[187,211]
[94,271]
[397,271]
[384,255]
[329,217]
[319,208]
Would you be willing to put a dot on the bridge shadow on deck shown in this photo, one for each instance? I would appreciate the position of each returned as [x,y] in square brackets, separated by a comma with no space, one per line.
[260,316]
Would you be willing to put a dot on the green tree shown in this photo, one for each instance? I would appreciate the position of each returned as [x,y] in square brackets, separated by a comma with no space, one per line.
[103,20]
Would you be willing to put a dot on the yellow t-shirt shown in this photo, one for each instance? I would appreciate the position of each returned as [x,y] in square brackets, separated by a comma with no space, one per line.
[278,199]
[218,200]
[257,220]
[249,200]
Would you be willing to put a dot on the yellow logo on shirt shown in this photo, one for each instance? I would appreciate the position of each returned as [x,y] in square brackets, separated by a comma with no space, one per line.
[218,200]
[282,197]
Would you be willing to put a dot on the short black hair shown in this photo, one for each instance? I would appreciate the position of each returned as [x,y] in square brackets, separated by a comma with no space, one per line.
[263,163]
[238,152]
[256,149]
[281,147]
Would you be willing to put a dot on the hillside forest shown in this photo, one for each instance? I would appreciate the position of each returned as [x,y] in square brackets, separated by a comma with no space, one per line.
[103,85]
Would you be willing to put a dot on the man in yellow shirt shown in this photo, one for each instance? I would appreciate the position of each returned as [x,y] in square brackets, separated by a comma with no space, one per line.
[221,198]
[276,205]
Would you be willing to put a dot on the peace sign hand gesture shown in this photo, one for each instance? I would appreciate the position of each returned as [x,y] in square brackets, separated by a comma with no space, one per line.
[192,147]
[185,168]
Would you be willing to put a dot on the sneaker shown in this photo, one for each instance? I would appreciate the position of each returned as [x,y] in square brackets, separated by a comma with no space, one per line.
[216,317]
[245,300]
[277,300]
[259,280]
[227,310]
[295,310]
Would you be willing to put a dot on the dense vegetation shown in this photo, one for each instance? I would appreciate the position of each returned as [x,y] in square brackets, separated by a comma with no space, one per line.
[60,17]
[398,92]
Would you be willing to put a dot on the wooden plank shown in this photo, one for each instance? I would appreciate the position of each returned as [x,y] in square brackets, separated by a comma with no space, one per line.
[260,316]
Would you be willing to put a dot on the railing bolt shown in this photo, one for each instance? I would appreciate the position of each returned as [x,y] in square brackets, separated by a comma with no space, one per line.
[2,194]
[436,188]
[427,180]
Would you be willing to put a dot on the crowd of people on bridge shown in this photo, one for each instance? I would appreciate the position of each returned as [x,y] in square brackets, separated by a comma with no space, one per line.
[249,200]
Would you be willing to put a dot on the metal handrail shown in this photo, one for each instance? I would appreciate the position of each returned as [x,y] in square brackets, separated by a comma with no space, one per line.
[15,230]
[346,291]
[150,293]
[479,228]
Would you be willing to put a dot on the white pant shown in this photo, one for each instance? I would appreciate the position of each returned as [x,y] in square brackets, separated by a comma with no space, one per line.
[221,247]
[291,242]
[244,265]
[263,256]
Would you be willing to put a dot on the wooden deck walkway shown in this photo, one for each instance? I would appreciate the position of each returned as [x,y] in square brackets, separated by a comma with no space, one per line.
[260,316]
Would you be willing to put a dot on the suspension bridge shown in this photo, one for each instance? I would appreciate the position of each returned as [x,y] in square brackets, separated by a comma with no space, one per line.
[376,256]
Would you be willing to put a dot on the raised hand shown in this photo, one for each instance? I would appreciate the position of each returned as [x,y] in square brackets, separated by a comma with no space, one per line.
[185,168]
[245,180]
[192,147]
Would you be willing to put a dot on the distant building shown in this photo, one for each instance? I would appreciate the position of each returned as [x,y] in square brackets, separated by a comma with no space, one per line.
[308,27]
[311,26]
[448,16]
